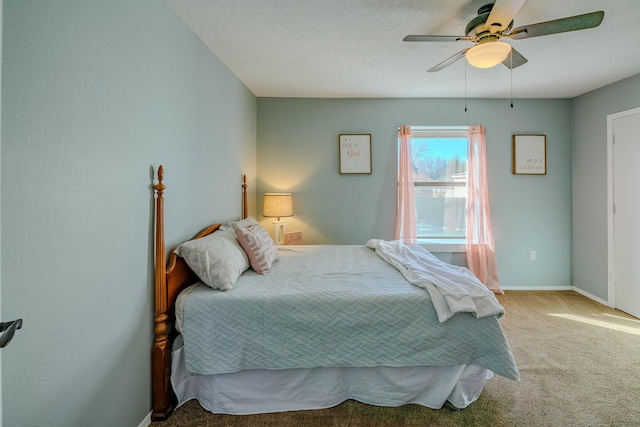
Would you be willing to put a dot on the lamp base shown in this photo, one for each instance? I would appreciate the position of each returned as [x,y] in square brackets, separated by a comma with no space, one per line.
[280,231]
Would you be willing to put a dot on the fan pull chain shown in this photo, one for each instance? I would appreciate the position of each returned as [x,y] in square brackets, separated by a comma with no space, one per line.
[465,85]
[511,74]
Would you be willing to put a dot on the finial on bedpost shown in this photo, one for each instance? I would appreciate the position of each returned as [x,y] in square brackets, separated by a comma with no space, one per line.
[159,187]
[245,211]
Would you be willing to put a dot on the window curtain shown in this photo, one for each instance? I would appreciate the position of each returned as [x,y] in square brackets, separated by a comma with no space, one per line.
[480,250]
[406,229]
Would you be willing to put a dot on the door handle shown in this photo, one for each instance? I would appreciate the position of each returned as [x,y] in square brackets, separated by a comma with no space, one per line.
[8,329]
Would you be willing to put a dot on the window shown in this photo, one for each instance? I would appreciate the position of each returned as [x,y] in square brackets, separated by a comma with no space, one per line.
[439,160]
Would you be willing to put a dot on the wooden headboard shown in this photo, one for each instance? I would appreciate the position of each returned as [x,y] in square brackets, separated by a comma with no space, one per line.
[170,279]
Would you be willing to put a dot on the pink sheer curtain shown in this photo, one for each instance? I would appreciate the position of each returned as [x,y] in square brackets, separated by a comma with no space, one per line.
[481,255]
[406,230]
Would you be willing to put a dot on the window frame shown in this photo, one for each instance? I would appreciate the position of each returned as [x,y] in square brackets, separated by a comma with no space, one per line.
[441,243]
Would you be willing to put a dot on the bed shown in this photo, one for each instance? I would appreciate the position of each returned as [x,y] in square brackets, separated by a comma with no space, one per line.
[315,325]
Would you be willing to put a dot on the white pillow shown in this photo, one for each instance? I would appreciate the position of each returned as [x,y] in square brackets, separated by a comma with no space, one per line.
[230,233]
[217,259]
[258,245]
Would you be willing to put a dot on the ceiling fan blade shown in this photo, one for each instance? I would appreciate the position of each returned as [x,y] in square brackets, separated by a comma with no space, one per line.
[515,59]
[449,61]
[571,23]
[502,14]
[425,38]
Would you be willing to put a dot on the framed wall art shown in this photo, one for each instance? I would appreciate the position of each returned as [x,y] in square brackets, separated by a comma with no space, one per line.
[529,155]
[355,153]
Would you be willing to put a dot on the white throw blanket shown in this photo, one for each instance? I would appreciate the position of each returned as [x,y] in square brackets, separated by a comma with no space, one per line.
[452,289]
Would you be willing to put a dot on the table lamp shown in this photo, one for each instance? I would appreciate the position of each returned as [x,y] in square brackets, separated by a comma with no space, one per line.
[278,205]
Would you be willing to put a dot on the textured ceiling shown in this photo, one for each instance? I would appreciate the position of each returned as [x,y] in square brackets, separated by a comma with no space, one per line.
[354,49]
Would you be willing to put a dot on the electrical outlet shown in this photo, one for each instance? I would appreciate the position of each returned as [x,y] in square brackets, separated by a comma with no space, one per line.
[532,255]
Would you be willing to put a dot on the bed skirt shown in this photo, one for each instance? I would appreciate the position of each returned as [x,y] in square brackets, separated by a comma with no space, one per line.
[262,391]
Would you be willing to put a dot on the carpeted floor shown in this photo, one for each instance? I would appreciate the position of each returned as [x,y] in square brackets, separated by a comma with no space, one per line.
[579,362]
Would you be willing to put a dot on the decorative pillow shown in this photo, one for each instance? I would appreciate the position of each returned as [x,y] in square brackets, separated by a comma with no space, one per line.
[243,223]
[216,259]
[257,243]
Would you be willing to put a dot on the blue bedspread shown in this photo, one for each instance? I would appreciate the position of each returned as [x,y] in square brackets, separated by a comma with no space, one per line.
[331,306]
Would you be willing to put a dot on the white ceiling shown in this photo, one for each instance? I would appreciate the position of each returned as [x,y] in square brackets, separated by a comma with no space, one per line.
[354,49]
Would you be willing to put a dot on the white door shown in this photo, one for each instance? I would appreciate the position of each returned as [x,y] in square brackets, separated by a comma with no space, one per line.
[625,138]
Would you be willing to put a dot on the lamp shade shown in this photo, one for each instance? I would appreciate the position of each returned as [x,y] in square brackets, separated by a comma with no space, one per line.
[277,205]
[487,55]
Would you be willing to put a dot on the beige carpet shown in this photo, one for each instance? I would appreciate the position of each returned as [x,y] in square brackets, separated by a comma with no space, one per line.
[579,362]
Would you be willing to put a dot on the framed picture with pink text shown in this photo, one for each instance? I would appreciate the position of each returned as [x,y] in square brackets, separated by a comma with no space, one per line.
[355,153]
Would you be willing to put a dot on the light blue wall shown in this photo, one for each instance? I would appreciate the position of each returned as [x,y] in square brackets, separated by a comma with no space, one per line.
[96,94]
[298,152]
[589,130]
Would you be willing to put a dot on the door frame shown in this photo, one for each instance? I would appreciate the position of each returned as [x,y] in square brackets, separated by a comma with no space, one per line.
[610,207]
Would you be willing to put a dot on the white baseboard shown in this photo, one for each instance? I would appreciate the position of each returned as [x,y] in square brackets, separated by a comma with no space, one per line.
[146,422]
[536,288]
[556,288]
[591,296]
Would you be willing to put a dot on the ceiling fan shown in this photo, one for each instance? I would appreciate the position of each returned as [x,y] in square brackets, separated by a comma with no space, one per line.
[495,22]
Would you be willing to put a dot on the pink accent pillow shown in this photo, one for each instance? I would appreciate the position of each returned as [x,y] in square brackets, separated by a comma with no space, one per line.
[258,246]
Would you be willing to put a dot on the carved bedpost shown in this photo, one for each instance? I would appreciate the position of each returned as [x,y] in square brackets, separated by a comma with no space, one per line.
[245,209]
[163,403]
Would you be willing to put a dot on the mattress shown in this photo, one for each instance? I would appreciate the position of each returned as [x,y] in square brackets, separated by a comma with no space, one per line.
[330,306]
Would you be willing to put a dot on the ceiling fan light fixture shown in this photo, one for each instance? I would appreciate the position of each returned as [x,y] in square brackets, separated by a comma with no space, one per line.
[487,55]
